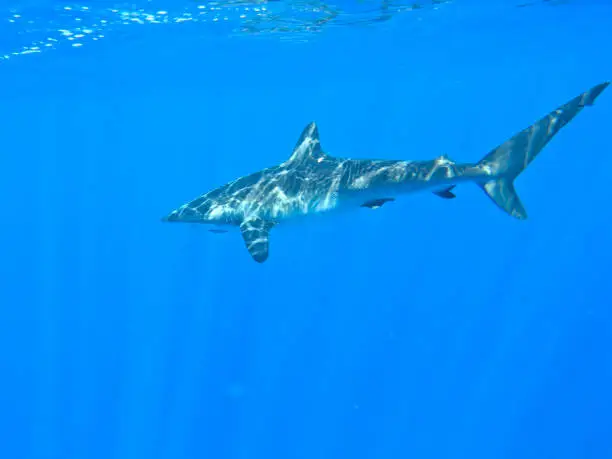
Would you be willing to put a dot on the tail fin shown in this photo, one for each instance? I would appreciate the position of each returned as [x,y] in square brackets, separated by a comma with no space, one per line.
[508,160]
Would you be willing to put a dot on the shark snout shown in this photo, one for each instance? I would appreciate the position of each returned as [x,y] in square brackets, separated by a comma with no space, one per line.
[171,217]
[183,214]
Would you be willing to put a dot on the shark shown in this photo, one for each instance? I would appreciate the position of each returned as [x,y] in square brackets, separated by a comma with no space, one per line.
[311,182]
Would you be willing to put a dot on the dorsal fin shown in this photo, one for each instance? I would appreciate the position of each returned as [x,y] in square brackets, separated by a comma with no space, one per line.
[308,147]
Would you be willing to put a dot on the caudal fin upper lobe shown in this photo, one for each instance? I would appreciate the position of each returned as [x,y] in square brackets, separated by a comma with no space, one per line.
[506,162]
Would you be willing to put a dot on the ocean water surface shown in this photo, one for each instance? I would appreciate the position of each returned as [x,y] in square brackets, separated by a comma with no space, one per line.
[428,328]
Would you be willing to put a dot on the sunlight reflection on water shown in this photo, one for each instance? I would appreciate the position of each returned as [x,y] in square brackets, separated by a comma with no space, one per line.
[34,28]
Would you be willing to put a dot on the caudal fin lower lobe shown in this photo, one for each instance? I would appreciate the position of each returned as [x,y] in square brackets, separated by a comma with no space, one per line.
[506,162]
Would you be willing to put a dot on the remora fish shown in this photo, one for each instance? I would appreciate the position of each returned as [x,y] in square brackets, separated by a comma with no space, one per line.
[312,182]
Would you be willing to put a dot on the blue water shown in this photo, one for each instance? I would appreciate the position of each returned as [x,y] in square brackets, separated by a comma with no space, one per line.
[427,329]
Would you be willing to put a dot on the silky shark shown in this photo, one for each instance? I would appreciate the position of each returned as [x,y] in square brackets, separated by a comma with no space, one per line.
[311,182]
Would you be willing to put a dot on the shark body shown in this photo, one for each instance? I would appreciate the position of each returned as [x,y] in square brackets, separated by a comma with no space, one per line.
[311,182]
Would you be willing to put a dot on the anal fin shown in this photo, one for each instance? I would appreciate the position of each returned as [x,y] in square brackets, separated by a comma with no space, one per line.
[256,234]
[446,193]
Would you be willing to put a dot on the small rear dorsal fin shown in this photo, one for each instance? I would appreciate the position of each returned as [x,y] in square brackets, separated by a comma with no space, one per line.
[308,147]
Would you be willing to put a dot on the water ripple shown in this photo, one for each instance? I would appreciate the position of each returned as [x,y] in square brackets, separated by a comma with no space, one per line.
[31,27]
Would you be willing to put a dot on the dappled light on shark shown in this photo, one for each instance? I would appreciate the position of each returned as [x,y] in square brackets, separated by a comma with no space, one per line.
[311,182]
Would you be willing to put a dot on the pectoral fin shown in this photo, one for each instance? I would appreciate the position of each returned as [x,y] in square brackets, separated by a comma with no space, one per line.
[256,234]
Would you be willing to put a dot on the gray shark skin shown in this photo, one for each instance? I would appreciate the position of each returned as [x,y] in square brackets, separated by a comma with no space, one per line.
[311,182]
